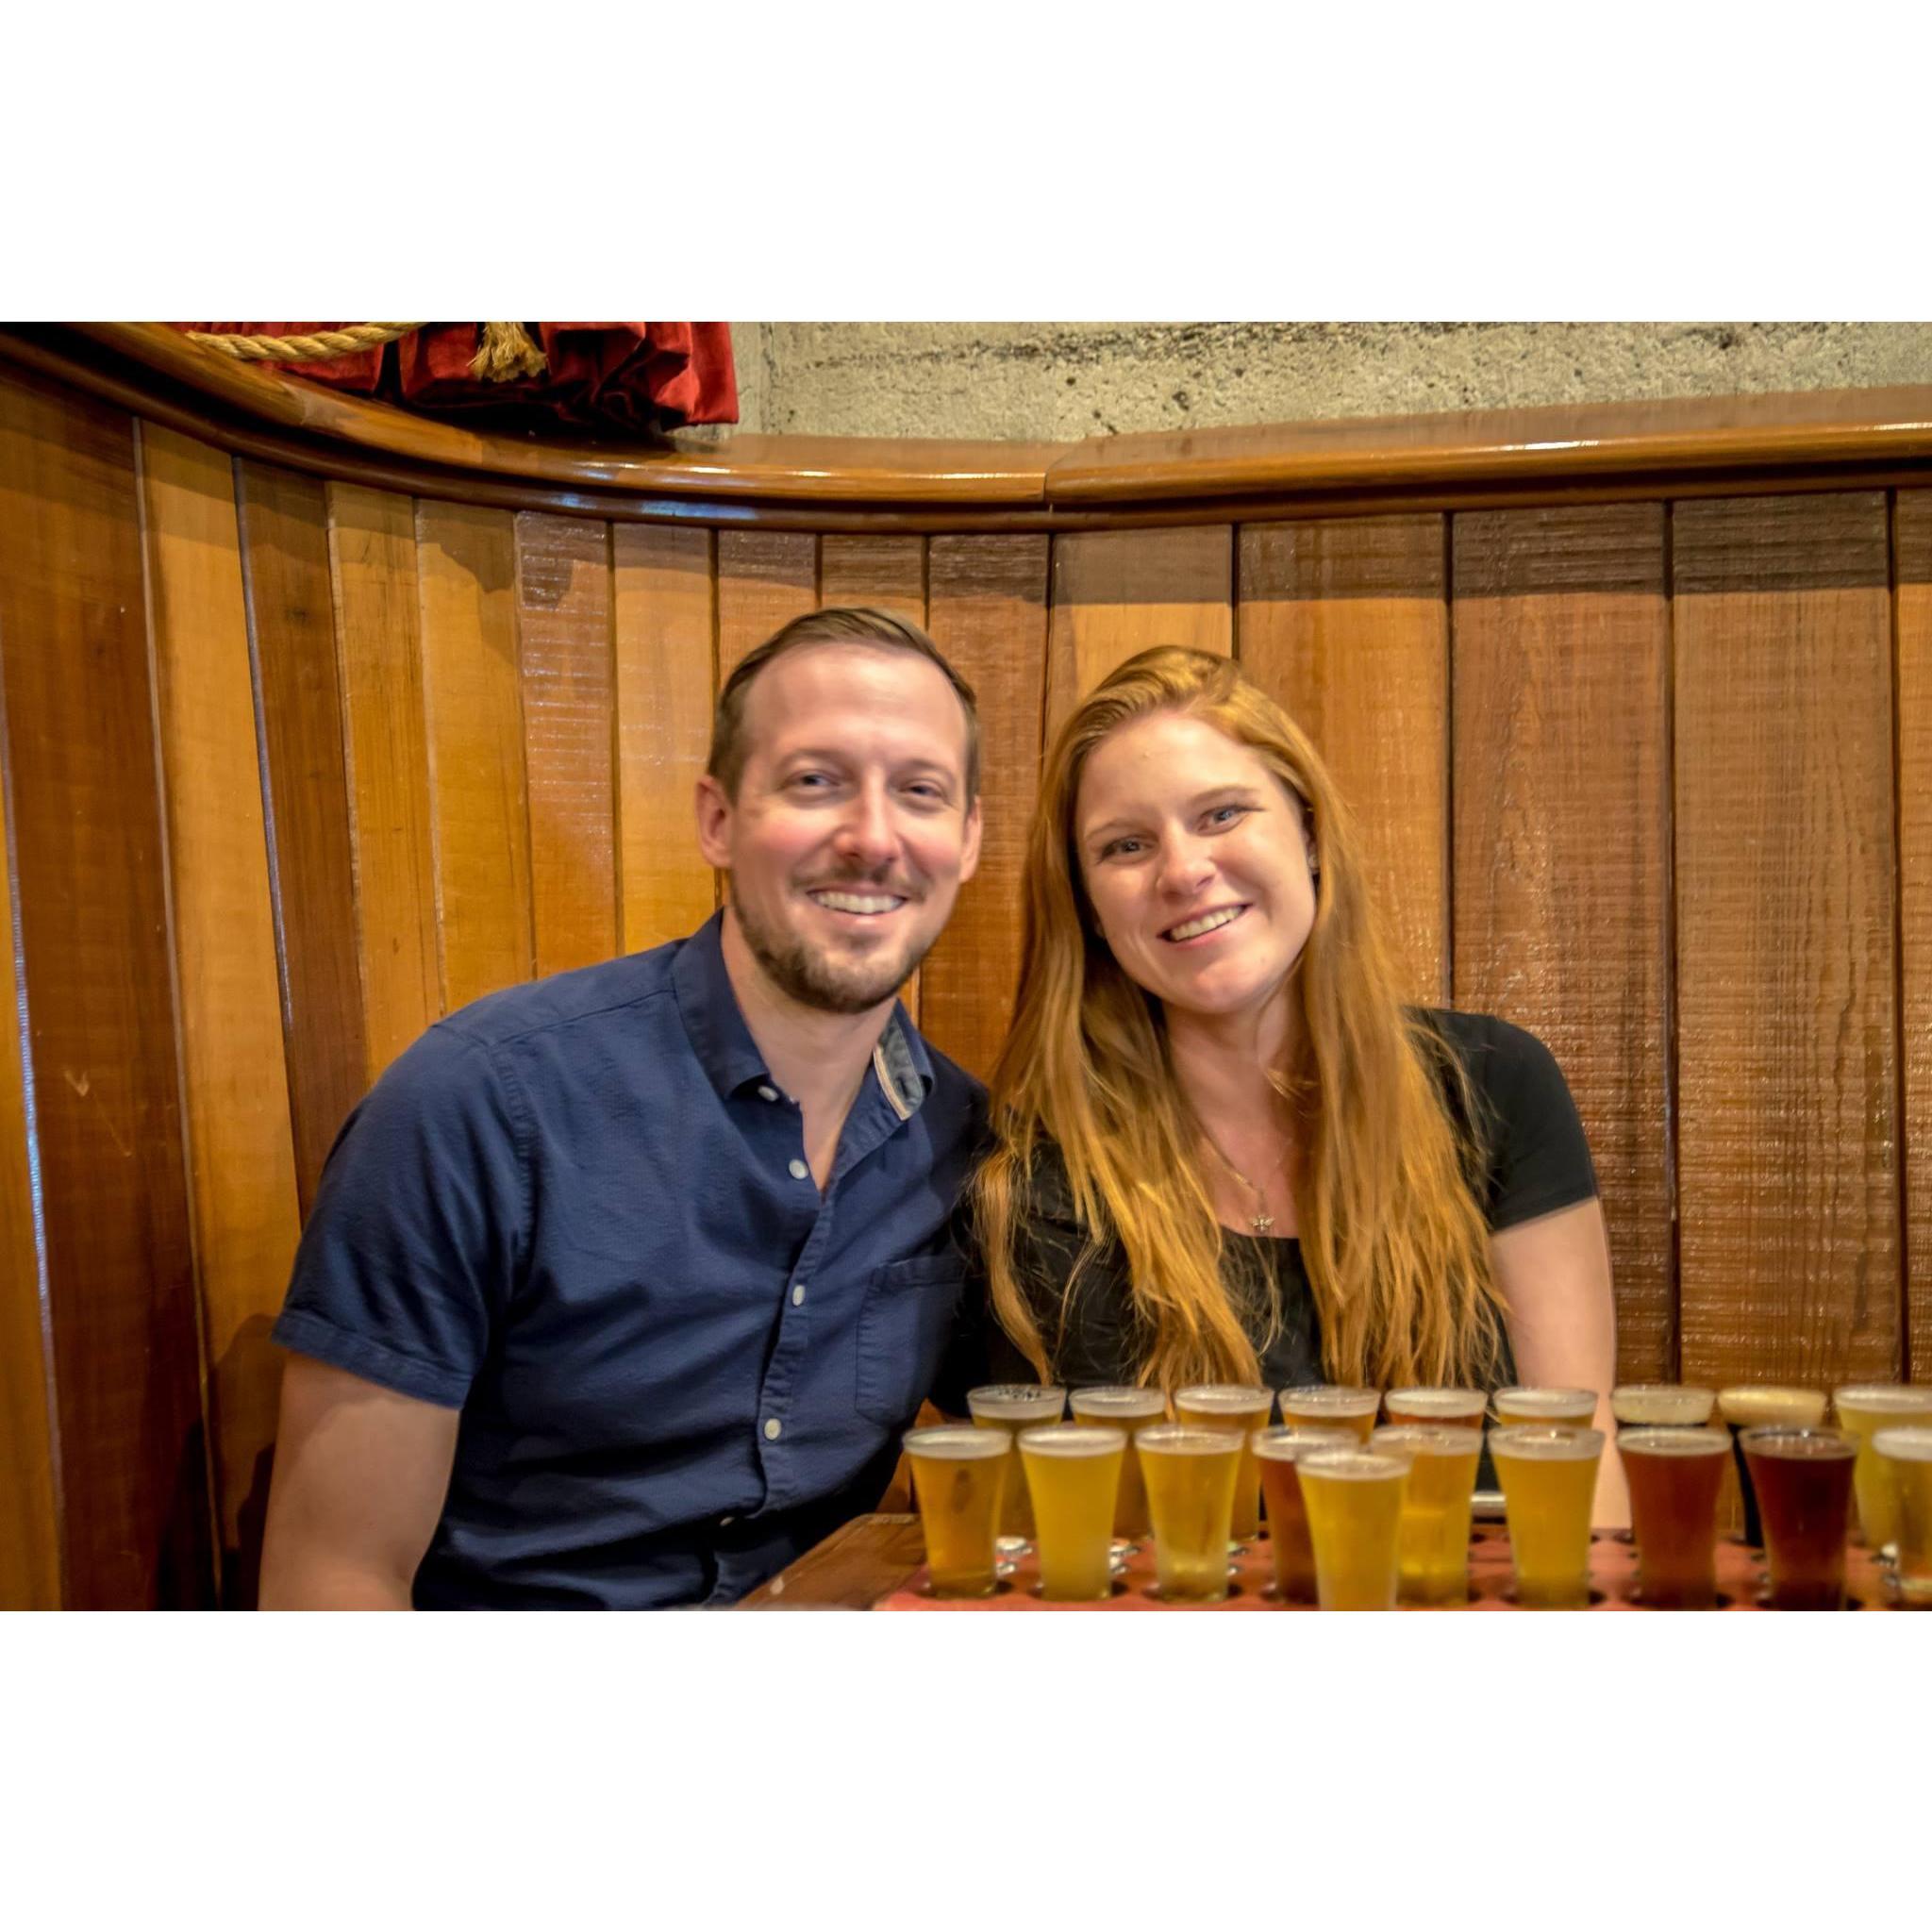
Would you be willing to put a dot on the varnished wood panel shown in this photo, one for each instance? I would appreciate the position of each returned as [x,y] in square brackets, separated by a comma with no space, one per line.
[563,624]
[1346,625]
[989,615]
[765,579]
[241,1153]
[372,536]
[884,572]
[1786,957]
[1119,592]
[480,814]
[1913,554]
[291,605]
[666,613]
[86,827]
[1562,849]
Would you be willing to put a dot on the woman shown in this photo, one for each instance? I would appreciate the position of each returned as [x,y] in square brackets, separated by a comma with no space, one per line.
[1225,1151]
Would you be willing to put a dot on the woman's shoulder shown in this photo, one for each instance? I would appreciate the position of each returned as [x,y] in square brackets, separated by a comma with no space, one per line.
[1494,1054]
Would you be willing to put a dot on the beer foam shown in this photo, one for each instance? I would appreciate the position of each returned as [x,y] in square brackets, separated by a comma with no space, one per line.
[1017,1401]
[1184,1439]
[1321,1395]
[1894,1398]
[956,1442]
[1438,1401]
[1420,1439]
[1754,1407]
[1357,1465]
[1535,1405]
[1125,1401]
[1662,1404]
[1673,1442]
[1539,1442]
[1225,1398]
[1291,1444]
[1905,1445]
[1073,1439]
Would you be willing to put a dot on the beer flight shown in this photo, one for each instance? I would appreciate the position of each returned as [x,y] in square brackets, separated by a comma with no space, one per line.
[1363,1514]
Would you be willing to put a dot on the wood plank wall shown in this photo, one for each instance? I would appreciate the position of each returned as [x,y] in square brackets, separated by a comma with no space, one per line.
[291,768]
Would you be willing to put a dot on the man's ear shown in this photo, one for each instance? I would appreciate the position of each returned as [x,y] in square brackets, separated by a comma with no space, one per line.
[714,823]
[968,862]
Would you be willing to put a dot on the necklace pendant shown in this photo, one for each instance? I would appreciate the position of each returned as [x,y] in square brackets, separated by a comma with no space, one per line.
[1261,1223]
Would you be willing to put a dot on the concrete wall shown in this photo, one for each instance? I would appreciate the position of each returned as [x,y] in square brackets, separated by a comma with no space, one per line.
[1065,380]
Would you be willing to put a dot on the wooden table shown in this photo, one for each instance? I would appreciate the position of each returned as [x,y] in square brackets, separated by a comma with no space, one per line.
[874,1557]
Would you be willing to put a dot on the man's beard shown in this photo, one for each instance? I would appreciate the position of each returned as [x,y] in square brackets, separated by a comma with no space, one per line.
[804,976]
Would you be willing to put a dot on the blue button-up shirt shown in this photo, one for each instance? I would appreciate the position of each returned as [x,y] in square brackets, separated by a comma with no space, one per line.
[581,1212]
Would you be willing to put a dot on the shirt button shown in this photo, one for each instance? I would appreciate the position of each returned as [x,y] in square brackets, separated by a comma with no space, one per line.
[797,1294]
[799,1170]
[767,1093]
[725,1521]
[773,1427]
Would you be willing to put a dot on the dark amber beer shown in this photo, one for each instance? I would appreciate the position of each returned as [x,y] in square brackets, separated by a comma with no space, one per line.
[1804,1482]
[1675,1476]
[1277,1450]
[1758,1409]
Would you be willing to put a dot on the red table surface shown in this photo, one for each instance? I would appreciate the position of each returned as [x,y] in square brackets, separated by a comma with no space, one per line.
[1612,1575]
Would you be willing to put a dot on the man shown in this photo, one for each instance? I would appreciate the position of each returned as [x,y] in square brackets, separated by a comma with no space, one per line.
[620,1285]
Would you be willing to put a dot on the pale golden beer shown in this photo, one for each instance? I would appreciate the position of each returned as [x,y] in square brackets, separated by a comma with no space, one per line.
[1549,1483]
[1569,1409]
[1229,1406]
[1075,1474]
[959,1476]
[1013,1407]
[1752,1408]
[1862,1408]
[1319,1406]
[1354,1499]
[1277,1450]
[1191,1476]
[1432,1407]
[1662,1406]
[1907,1455]
[1432,1549]
[1129,1410]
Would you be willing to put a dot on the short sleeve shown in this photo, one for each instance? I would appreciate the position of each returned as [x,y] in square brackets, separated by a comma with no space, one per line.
[1539,1158]
[410,1250]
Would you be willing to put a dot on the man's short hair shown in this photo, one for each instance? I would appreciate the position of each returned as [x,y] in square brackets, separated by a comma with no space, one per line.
[877,629]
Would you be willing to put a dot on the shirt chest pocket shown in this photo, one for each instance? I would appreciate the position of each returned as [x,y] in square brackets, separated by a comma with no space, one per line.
[903,1326]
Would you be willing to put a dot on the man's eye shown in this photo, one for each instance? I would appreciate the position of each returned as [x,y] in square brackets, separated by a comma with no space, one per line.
[806,781]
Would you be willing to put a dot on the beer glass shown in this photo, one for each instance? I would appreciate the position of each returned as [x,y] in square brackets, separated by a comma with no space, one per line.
[1228,1406]
[1804,1483]
[1662,1406]
[1430,1407]
[1354,1499]
[1278,1452]
[1752,1409]
[1432,1548]
[1549,1482]
[1566,1409]
[1013,1407]
[1074,1476]
[1190,1477]
[1675,1476]
[1907,1454]
[1319,1406]
[959,1476]
[1129,1410]
[1862,1408]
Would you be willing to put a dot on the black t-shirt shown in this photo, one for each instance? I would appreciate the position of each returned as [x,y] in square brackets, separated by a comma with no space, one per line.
[1534,1159]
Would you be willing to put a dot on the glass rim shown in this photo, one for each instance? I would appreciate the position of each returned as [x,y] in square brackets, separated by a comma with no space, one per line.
[1903,1397]
[1665,1441]
[1452,1400]
[1428,1439]
[1537,1394]
[957,1442]
[1070,1440]
[1546,1442]
[1017,1391]
[1338,1397]
[1686,1395]
[1355,1465]
[1911,1444]
[1118,1396]
[1777,1403]
[1187,1439]
[1842,1445]
[1285,1442]
[1231,1398]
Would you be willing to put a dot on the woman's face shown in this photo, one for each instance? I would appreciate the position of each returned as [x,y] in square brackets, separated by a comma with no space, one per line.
[1195,859]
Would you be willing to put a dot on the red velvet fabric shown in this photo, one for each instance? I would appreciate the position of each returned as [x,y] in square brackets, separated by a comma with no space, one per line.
[638,375]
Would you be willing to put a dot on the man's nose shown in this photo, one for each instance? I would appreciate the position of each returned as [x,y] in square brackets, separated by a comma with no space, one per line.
[866,833]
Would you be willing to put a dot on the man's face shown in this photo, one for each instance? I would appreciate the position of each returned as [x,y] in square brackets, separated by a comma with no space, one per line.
[850,835]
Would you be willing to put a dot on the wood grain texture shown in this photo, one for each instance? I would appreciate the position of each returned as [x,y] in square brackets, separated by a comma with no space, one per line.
[665,617]
[1912,554]
[86,826]
[372,547]
[563,625]
[242,1152]
[989,613]
[1116,592]
[853,1569]
[305,784]
[1786,957]
[1562,849]
[480,814]
[1346,625]
[765,579]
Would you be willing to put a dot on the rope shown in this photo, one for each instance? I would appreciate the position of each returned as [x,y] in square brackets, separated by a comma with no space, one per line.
[506,353]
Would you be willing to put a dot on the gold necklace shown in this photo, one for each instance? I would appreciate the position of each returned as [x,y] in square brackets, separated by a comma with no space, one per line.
[1261,1220]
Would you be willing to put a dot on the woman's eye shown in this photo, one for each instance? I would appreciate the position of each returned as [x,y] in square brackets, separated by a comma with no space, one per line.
[1120,848]
[1228,814]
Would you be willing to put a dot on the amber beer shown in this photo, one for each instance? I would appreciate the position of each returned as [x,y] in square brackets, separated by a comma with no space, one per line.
[1662,1406]
[1013,1407]
[1432,1549]
[959,1476]
[1230,1406]
[1075,1474]
[1354,1499]
[1862,1410]
[1278,1452]
[1804,1483]
[1129,1410]
[1567,1408]
[1549,1483]
[1191,1478]
[1320,1407]
[1907,1455]
[1462,1408]
[1754,1409]
[1674,1477]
